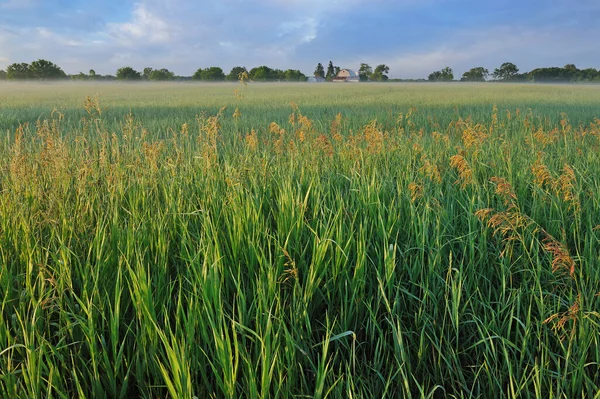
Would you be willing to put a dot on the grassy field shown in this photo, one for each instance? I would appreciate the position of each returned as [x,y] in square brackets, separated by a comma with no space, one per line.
[342,241]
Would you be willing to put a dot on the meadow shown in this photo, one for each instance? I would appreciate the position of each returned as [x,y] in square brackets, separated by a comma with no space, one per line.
[299,241]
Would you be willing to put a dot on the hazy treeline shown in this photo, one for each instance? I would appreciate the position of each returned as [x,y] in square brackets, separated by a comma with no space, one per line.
[507,72]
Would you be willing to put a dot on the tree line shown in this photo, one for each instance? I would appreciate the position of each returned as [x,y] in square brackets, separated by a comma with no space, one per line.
[46,70]
[507,72]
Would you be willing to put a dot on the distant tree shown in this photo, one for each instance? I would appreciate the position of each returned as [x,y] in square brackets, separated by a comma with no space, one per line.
[147,72]
[364,72]
[211,74]
[569,73]
[44,69]
[161,74]
[507,71]
[379,74]
[261,74]
[294,75]
[336,70]
[214,74]
[2,75]
[319,71]
[445,75]
[92,74]
[434,76]
[589,74]
[277,74]
[198,74]
[18,71]
[234,75]
[478,74]
[128,73]
[330,71]
[571,67]
[80,76]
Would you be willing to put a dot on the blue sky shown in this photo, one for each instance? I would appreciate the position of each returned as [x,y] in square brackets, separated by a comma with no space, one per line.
[413,37]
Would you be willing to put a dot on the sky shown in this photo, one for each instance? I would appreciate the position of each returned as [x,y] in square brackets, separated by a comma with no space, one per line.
[412,37]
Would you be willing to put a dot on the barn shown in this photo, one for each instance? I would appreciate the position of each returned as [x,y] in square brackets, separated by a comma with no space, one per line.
[346,75]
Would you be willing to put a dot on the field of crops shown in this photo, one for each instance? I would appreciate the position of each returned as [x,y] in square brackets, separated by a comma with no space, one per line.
[281,240]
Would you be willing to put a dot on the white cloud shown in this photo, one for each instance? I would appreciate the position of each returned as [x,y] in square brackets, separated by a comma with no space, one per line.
[62,40]
[145,25]
[305,30]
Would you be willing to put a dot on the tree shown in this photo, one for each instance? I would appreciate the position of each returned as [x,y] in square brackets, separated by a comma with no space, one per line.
[478,74]
[93,74]
[198,74]
[128,73]
[330,71]
[364,72]
[2,75]
[161,74]
[211,74]
[261,74]
[146,73]
[319,71]
[506,72]
[277,74]
[294,75]
[80,76]
[555,74]
[234,75]
[336,70]
[44,69]
[379,74]
[589,74]
[445,75]
[18,71]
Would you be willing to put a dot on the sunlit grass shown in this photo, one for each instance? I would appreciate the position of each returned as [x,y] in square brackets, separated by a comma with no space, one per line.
[322,241]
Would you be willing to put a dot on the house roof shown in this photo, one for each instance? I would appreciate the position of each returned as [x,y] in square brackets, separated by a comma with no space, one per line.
[347,73]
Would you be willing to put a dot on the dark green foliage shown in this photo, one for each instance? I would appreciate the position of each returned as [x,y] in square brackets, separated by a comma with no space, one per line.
[445,75]
[128,73]
[294,75]
[18,71]
[330,71]
[40,69]
[161,74]
[379,75]
[478,74]
[507,72]
[364,72]
[235,73]
[263,74]
[211,74]
[319,71]
[568,73]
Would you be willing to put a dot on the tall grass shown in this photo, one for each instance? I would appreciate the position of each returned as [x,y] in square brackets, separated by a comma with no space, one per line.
[302,257]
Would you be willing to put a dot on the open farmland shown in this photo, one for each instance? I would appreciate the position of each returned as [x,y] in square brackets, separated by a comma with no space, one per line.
[281,240]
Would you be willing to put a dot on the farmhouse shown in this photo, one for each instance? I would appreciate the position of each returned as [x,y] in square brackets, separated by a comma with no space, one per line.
[346,75]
